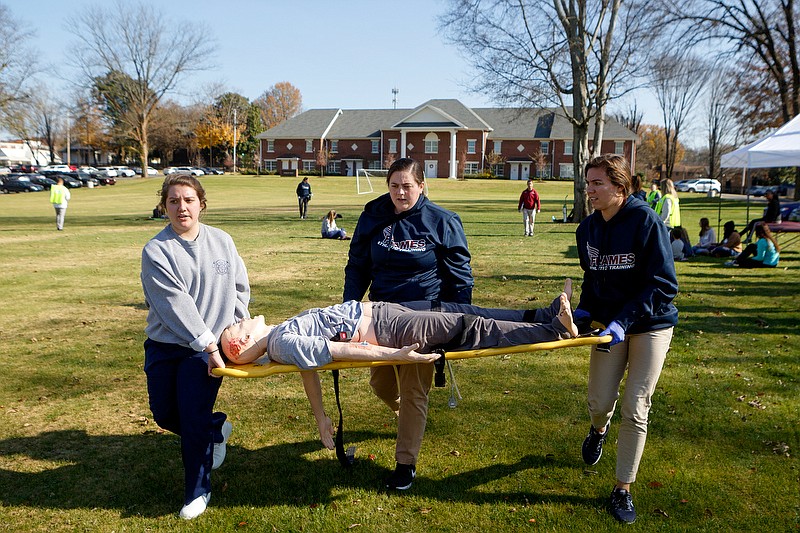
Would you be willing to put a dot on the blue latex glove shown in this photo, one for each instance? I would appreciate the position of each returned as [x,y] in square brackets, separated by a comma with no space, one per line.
[615,330]
[580,314]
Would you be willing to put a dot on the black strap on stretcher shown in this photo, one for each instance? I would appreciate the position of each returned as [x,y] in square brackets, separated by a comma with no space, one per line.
[348,457]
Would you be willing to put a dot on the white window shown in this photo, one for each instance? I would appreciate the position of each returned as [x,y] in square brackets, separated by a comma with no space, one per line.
[270,145]
[309,146]
[619,147]
[543,172]
[270,165]
[498,147]
[544,147]
[471,167]
[334,167]
[309,166]
[392,146]
[471,145]
[565,170]
[568,148]
[374,165]
[334,147]
[376,146]
[499,170]
[431,144]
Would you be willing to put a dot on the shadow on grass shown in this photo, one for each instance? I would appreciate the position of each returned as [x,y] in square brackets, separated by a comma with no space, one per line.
[141,475]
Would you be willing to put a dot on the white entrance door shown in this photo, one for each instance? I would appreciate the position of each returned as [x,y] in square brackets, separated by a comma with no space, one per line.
[514,175]
[526,171]
[358,166]
[431,169]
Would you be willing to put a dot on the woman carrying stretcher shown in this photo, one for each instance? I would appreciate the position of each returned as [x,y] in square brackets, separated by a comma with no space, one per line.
[391,332]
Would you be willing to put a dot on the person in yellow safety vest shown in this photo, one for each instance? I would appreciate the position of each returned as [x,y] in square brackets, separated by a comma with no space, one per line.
[653,196]
[59,196]
[668,207]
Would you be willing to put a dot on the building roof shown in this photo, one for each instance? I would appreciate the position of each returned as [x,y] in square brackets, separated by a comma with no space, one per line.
[499,123]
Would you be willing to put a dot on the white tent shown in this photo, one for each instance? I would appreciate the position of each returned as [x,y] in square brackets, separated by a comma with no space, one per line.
[779,149]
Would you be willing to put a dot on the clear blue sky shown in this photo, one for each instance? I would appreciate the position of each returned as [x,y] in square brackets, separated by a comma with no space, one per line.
[346,53]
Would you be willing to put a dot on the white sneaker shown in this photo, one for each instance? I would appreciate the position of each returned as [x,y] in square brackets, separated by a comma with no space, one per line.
[220,447]
[196,507]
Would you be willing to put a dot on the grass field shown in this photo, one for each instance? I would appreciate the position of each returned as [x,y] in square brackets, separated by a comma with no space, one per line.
[79,450]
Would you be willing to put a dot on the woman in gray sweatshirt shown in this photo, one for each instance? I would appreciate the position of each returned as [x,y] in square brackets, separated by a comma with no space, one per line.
[195,285]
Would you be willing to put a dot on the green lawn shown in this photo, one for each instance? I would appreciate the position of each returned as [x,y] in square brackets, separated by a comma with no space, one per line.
[79,450]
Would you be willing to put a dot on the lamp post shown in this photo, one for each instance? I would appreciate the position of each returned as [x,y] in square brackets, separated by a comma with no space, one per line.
[234,140]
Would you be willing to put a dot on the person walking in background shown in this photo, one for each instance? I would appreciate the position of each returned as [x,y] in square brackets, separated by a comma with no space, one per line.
[529,205]
[637,189]
[765,253]
[195,285]
[329,228]
[59,197]
[668,206]
[772,213]
[629,285]
[303,196]
[405,248]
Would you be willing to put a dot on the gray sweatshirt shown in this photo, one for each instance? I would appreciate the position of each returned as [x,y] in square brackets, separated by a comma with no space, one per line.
[193,289]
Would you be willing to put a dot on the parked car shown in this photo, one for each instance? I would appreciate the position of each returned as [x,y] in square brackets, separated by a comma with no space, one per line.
[55,168]
[168,170]
[86,178]
[20,184]
[105,180]
[42,180]
[213,170]
[87,168]
[700,185]
[27,169]
[125,172]
[194,171]
[69,181]
[150,171]
[5,170]
[110,172]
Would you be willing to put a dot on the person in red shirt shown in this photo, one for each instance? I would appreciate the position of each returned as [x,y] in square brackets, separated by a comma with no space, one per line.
[529,205]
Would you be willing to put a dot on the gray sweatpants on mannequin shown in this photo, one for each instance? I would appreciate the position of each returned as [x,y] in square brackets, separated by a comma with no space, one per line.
[458,327]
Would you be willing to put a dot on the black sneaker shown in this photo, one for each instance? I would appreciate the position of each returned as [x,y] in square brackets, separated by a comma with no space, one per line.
[402,478]
[621,506]
[592,448]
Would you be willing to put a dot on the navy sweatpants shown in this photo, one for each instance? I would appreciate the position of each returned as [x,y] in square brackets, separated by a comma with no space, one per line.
[182,397]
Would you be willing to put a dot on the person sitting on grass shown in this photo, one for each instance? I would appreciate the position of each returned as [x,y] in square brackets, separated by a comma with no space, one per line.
[731,244]
[383,331]
[764,253]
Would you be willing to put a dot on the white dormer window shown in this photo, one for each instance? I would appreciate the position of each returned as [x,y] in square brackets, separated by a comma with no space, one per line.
[309,146]
[334,147]
[471,146]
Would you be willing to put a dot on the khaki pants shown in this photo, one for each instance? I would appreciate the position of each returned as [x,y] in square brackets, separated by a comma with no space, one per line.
[643,355]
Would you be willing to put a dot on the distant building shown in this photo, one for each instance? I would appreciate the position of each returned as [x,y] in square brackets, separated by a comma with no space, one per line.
[450,138]
[25,153]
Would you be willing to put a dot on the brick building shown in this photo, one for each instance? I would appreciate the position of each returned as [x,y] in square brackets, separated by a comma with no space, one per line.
[450,138]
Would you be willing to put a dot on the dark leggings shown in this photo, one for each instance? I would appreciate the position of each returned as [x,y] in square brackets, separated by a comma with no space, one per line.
[745,259]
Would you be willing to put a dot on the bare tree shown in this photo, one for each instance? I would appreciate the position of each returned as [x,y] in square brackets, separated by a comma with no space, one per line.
[677,81]
[279,103]
[577,54]
[721,121]
[17,62]
[144,54]
[761,34]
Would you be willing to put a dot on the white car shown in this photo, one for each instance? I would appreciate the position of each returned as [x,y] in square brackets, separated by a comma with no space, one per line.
[125,172]
[194,171]
[700,185]
[56,168]
[109,172]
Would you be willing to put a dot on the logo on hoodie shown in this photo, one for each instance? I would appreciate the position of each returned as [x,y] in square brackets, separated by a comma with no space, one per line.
[408,245]
[609,261]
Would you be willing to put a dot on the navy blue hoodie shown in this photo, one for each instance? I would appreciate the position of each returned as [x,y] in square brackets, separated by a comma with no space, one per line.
[629,274]
[420,254]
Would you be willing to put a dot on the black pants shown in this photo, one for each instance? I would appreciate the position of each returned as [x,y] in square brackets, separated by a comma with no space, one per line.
[302,203]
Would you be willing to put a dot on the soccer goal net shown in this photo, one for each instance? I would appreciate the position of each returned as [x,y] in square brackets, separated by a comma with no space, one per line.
[364,181]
